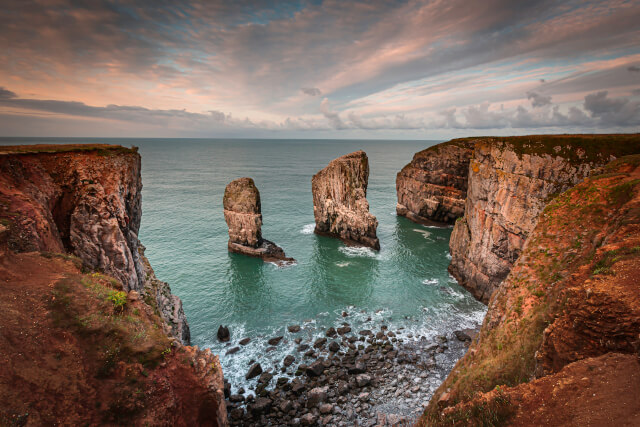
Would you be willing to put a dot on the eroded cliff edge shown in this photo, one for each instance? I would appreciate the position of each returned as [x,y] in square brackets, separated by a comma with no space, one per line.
[340,205]
[560,342]
[83,315]
[433,186]
[84,200]
[507,181]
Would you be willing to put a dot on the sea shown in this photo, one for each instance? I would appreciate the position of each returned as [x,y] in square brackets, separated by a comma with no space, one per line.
[404,286]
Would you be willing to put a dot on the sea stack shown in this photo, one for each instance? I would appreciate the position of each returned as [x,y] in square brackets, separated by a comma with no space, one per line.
[243,215]
[340,206]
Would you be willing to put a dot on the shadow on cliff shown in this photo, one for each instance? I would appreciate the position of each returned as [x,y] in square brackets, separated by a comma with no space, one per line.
[341,273]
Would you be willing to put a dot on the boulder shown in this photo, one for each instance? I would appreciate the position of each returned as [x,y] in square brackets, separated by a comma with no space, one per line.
[223,334]
[254,371]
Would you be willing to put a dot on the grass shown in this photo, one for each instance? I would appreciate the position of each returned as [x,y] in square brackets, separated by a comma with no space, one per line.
[85,304]
[567,237]
[495,410]
[100,149]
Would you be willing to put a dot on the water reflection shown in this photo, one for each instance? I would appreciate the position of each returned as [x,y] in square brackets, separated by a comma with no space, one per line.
[247,289]
[341,274]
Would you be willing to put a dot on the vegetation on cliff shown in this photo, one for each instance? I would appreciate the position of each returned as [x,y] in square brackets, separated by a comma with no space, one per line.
[572,295]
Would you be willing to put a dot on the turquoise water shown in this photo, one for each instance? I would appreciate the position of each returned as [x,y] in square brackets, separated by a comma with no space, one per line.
[405,285]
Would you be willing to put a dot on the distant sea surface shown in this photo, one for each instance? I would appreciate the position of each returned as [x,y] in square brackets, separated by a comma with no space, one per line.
[405,285]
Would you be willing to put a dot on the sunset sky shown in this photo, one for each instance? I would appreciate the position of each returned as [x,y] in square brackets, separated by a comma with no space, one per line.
[318,69]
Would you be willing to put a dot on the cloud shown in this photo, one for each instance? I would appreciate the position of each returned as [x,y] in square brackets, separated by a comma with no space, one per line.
[634,68]
[6,94]
[538,100]
[332,116]
[311,91]
[618,111]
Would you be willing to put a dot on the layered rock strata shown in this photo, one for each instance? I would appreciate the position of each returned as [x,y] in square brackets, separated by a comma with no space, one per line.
[340,206]
[83,314]
[565,320]
[84,200]
[510,181]
[243,214]
[433,187]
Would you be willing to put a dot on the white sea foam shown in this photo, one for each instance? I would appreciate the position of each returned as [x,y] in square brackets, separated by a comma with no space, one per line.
[308,229]
[358,251]
[430,281]
[342,264]
[448,255]
[424,233]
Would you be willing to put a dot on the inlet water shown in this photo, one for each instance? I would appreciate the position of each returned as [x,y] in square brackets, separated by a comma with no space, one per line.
[404,285]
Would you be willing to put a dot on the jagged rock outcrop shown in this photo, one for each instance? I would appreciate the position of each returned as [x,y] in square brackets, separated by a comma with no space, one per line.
[433,187]
[510,181]
[69,253]
[565,320]
[243,214]
[340,206]
[84,200]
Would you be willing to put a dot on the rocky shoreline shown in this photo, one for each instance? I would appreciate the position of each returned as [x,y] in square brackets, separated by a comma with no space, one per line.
[346,377]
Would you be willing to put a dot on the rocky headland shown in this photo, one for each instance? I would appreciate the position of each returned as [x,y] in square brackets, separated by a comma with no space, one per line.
[89,334]
[340,206]
[496,188]
[432,188]
[243,214]
[560,342]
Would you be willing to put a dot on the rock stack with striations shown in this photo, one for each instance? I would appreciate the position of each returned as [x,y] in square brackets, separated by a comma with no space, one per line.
[243,214]
[340,206]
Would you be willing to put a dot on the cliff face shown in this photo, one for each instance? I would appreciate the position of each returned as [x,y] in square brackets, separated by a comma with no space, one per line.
[566,319]
[94,348]
[83,200]
[340,206]
[243,214]
[507,191]
[433,187]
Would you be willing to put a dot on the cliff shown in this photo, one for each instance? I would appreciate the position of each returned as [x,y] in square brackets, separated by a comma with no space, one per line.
[84,200]
[243,214]
[433,187]
[89,334]
[559,344]
[340,206]
[507,182]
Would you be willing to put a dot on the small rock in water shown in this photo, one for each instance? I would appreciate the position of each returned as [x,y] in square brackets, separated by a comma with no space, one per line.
[345,314]
[265,377]
[293,328]
[334,346]
[331,332]
[275,341]
[288,360]
[315,369]
[244,341]
[254,371]
[233,350]
[319,343]
[223,334]
[365,332]
[343,330]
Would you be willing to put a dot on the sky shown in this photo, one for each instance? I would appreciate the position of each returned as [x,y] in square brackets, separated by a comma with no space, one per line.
[318,69]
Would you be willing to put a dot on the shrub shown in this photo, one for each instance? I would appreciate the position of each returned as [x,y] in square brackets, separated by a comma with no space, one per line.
[118,298]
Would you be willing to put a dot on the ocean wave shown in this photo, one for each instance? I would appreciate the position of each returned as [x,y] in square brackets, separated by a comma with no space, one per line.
[342,264]
[308,229]
[430,281]
[358,251]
